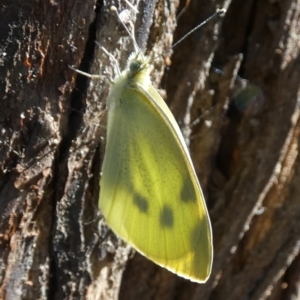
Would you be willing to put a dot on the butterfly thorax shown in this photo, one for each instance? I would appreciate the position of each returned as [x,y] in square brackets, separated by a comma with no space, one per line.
[136,73]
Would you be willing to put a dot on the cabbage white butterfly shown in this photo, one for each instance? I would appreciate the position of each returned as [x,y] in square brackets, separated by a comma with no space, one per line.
[149,192]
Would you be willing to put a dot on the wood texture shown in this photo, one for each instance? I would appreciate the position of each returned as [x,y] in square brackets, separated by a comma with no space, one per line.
[233,87]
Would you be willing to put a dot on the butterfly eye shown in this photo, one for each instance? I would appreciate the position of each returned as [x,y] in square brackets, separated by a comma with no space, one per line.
[135,67]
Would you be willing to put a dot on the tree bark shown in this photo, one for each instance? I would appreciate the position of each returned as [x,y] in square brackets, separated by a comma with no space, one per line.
[233,86]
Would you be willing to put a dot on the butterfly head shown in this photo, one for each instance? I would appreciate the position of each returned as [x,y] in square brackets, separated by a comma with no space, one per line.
[138,65]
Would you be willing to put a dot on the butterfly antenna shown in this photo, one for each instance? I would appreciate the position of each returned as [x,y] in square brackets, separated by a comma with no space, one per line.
[132,7]
[217,13]
[131,34]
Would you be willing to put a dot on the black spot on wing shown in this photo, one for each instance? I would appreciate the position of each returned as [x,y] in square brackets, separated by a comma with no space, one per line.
[188,193]
[141,203]
[166,217]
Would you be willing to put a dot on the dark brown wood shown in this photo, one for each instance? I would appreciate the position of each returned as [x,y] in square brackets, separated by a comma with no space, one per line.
[233,87]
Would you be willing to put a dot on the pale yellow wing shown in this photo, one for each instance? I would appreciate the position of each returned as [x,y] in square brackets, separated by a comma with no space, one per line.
[150,195]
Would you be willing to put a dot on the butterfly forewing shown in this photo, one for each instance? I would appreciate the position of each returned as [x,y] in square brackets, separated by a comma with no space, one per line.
[150,195]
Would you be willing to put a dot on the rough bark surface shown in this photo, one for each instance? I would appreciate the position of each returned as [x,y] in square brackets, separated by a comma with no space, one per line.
[233,86]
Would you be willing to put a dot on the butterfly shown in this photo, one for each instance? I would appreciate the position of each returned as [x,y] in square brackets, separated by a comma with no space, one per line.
[150,195]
